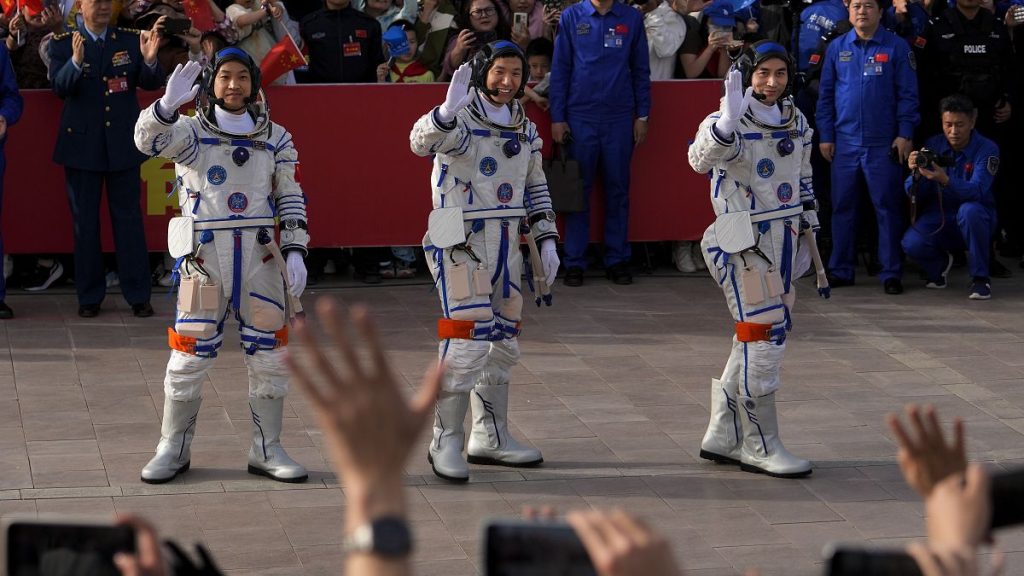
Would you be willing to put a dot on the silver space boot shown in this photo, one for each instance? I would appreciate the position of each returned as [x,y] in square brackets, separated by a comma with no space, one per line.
[490,441]
[267,457]
[445,454]
[173,454]
[763,451]
[721,441]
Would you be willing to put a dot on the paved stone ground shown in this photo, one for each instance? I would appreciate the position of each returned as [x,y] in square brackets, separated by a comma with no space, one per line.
[613,387]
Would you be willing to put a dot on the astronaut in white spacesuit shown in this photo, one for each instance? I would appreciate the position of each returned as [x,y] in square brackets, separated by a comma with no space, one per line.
[236,172]
[756,149]
[488,189]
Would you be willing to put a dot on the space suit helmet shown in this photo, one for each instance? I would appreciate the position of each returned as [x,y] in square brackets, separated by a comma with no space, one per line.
[229,54]
[484,59]
[760,51]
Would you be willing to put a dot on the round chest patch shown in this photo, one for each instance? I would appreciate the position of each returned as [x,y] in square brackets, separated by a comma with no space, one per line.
[505,193]
[240,156]
[237,202]
[765,168]
[488,166]
[217,175]
[784,192]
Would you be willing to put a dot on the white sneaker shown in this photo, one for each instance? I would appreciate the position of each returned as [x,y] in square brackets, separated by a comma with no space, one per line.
[112,280]
[166,279]
[682,254]
[698,256]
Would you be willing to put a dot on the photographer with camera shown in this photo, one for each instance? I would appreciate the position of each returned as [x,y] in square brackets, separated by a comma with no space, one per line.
[951,199]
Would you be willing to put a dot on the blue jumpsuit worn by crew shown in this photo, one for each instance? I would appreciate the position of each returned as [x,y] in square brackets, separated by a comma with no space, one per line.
[96,146]
[600,83]
[10,110]
[867,98]
[966,217]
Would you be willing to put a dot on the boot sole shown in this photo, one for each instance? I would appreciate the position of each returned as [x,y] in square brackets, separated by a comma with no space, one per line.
[259,472]
[756,470]
[181,470]
[454,479]
[718,458]
[492,462]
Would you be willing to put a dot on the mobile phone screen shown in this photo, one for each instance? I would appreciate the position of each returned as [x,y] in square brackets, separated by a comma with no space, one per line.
[177,25]
[37,549]
[514,548]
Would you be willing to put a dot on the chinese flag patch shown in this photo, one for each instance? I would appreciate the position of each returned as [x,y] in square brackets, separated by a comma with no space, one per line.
[881,57]
[920,42]
[621,29]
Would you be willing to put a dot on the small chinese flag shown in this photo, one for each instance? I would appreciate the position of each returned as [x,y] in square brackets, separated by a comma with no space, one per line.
[284,56]
[9,7]
[200,13]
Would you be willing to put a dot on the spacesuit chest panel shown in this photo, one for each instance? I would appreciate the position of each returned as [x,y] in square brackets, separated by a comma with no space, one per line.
[772,173]
[230,182]
[499,180]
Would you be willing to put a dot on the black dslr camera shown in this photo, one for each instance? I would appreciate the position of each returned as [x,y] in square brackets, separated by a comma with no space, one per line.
[926,158]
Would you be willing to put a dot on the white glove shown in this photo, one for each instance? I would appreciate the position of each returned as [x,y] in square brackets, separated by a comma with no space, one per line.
[549,258]
[181,87]
[458,96]
[809,219]
[296,274]
[733,105]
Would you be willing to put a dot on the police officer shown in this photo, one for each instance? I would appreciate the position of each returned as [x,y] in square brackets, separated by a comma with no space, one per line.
[954,207]
[10,112]
[967,50]
[867,112]
[345,45]
[96,71]
[601,95]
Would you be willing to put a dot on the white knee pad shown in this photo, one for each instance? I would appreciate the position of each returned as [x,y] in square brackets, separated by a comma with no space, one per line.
[464,360]
[268,373]
[183,380]
[503,355]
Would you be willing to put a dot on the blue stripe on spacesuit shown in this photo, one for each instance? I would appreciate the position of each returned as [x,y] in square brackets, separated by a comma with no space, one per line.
[444,172]
[273,207]
[502,269]
[469,307]
[265,299]
[195,321]
[761,136]
[746,384]
[439,256]
[718,183]
[195,205]
[765,309]
[236,275]
[736,293]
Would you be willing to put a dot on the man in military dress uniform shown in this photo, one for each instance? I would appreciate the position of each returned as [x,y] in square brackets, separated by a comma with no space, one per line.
[96,71]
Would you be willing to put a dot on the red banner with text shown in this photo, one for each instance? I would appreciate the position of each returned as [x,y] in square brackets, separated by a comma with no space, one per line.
[364,186]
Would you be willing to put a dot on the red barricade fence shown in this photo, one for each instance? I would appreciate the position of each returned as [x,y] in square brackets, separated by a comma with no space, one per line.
[365,187]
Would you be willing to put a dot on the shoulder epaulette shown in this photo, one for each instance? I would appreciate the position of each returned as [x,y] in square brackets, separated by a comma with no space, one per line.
[129,30]
[61,36]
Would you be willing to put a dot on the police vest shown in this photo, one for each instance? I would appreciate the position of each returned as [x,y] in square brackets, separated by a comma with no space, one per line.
[973,66]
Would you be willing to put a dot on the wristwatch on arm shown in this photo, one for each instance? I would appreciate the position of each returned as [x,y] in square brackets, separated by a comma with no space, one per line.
[387,536]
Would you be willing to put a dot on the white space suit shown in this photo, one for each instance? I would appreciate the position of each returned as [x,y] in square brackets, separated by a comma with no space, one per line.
[762,168]
[232,186]
[494,173]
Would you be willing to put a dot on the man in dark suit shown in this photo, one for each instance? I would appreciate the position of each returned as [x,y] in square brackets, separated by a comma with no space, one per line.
[96,71]
[10,112]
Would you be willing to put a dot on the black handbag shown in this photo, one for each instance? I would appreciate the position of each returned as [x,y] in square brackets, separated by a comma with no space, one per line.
[565,185]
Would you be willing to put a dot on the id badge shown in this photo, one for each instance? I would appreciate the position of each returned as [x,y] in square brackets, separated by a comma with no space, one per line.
[872,69]
[751,289]
[612,40]
[117,84]
[352,49]
[773,283]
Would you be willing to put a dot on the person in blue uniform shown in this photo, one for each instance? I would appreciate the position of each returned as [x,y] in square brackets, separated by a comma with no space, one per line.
[600,98]
[867,112]
[96,71]
[10,112]
[952,207]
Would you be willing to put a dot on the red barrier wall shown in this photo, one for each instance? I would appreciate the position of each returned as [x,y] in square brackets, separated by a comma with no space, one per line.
[365,187]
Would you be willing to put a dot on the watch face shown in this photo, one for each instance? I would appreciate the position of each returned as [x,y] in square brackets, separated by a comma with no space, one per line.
[391,537]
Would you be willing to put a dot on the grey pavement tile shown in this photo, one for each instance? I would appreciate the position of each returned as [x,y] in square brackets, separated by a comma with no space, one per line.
[613,388]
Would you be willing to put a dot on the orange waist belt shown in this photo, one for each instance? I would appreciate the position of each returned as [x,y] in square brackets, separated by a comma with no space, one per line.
[187,344]
[448,328]
[753,332]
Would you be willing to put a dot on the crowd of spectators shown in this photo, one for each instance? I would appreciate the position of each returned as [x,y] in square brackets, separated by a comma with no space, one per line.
[959,46]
